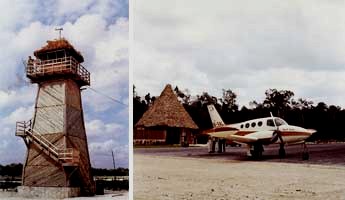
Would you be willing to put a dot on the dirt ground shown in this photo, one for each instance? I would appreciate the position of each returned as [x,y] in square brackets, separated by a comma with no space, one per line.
[167,177]
[112,195]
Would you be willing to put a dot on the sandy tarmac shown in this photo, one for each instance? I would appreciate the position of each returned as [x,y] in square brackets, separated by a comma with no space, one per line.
[165,177]
[111,195]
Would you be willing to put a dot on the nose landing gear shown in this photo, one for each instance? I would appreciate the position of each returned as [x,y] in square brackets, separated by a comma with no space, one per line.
[305,152]
[282,153]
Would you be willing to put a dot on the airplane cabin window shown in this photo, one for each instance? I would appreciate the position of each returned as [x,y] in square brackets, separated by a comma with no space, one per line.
[260,123]
[241,125]
[270,122]
[253,124]
[247,125]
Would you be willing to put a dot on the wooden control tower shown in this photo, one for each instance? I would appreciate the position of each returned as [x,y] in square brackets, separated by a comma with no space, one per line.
[57,151]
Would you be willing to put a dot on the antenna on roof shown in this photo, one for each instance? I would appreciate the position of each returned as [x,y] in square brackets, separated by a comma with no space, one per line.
[60,30]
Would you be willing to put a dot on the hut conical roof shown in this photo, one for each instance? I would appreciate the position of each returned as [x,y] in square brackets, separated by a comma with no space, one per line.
[59,44]
[167,111]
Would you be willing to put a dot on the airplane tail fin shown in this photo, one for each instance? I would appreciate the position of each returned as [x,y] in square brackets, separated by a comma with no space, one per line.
[215,117]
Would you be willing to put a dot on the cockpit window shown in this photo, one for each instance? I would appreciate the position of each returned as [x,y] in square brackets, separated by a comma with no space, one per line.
[278,122]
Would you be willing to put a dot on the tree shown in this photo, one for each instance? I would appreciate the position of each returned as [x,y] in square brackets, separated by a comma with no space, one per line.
[229,101]
[279,100]
[302,104]
[321,106]
[206,99]
[139,106]
[327,120]
[134,92]
[184,97]
[14,169]
[148,98]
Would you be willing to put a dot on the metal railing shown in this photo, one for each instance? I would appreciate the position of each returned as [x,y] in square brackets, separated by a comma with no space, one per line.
[24,129]
[65,65]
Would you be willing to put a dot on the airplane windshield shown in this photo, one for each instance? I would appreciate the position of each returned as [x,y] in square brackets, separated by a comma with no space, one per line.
[278,122]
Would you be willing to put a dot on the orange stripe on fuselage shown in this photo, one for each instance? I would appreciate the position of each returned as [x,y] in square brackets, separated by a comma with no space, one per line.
[219,129]
[286,133]
[243,132]
[294,133]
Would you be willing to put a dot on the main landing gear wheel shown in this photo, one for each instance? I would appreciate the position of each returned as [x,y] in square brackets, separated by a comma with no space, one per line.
[257,151]
[305,153]
[282,153]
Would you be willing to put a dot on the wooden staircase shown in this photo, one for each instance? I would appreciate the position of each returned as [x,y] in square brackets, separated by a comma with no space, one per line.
[68,156]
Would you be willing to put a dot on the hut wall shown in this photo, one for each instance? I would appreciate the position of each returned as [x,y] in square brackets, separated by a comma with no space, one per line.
[149,135]
[173,135]
[162,135]
[191,136]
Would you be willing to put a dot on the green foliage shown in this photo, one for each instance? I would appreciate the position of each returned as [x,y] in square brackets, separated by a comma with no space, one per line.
[183,96]
[110,172]
[12,170]
[229,101]
[327,120]
[15,170]
[278,100]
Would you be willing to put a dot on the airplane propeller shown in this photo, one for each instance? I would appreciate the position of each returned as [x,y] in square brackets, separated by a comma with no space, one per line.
[277,133]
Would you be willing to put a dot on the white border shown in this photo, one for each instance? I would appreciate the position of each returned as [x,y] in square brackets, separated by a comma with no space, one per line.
[130,100]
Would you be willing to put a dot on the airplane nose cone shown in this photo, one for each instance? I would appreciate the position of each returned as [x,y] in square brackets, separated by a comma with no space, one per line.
[311,131]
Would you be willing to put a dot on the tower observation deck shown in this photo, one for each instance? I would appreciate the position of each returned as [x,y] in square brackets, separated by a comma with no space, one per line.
[57,59]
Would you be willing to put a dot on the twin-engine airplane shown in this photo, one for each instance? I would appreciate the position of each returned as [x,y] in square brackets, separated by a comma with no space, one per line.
[258,132]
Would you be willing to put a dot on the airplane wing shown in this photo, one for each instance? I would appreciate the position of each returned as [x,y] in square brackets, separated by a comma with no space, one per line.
[221,132]
[243,139]
[264,137]
[235,135]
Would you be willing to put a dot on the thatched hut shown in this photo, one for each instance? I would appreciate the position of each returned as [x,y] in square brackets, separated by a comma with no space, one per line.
[165,122]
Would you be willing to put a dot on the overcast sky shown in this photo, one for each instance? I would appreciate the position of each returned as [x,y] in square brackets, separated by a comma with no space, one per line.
[97,28]
[246,46]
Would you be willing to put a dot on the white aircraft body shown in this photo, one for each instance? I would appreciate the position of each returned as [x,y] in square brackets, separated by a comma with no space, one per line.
[258,132]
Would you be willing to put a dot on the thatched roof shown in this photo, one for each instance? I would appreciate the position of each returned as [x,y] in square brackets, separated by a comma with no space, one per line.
[59,44]
[167,111]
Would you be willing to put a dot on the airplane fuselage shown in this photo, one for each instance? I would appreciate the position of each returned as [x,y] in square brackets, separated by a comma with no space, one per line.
[263,128]
[258,132]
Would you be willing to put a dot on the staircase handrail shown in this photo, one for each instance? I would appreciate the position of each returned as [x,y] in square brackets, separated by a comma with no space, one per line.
[25,127]
[45,142]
